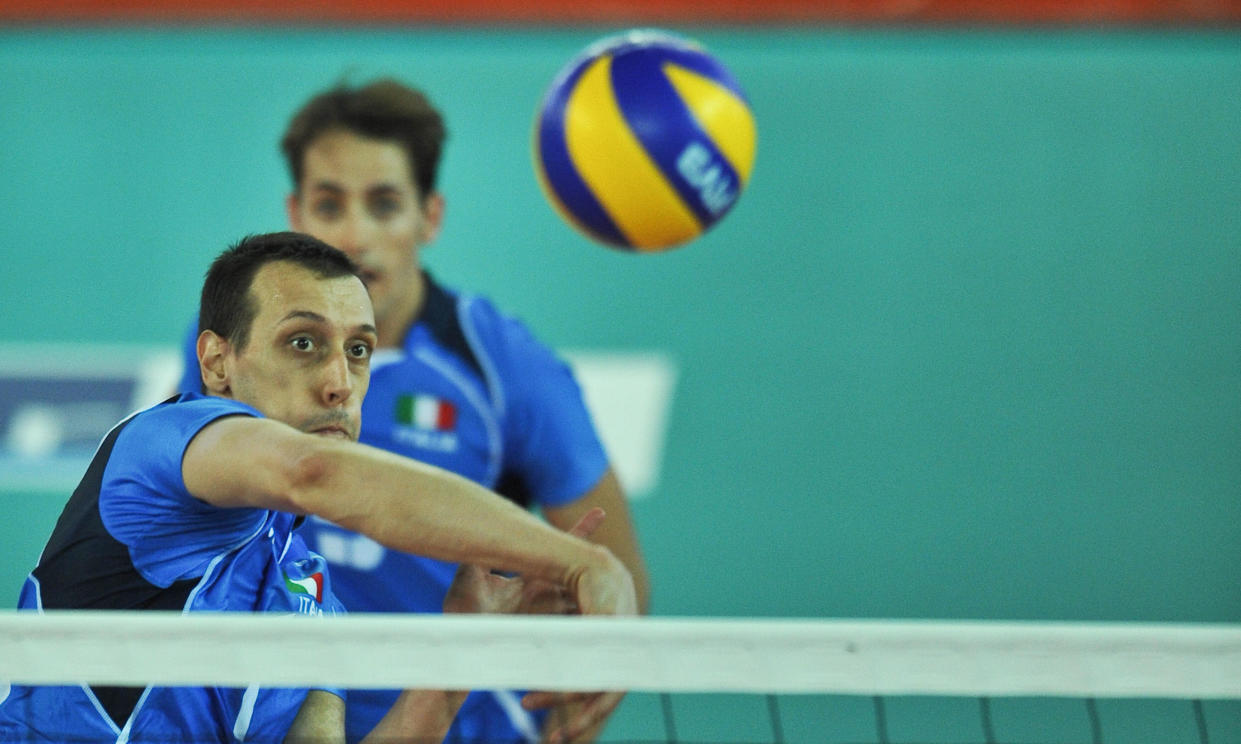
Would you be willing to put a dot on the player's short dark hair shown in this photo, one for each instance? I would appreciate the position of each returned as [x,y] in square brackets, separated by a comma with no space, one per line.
[227,307]
[384,109]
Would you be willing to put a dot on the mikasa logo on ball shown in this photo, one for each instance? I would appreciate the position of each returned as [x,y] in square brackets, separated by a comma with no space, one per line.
[707,176]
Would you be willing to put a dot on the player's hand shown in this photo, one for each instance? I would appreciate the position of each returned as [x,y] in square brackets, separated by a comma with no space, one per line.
[605,588]
[574,716]
[477,590]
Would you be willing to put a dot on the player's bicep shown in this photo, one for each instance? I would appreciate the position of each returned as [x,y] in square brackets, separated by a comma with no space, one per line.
[241,461]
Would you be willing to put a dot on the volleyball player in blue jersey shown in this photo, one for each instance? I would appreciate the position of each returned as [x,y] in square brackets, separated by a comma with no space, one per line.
[455,382]
[191,506]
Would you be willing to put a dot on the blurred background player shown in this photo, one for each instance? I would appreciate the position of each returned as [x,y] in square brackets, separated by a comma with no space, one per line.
[454,383]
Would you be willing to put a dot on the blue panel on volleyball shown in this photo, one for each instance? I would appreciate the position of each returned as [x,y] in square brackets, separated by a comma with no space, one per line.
[558,165]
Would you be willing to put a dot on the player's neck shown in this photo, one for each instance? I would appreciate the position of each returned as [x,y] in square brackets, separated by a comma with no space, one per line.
[395,323]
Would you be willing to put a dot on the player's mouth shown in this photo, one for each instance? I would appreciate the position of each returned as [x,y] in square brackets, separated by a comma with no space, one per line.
[338,432]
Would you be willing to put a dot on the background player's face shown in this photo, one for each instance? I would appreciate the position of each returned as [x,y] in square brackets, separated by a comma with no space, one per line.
[307,362]
[358,194]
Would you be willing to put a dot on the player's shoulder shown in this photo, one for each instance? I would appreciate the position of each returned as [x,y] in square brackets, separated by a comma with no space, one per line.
[190,404]
[479,321]
[190,410]
[497,326]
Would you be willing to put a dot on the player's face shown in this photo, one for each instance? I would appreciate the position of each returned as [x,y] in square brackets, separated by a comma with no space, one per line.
[358,194]
[307,362]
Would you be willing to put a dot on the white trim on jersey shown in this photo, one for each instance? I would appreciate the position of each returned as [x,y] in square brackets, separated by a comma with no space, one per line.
[494,454]
[521,719]
[241,726]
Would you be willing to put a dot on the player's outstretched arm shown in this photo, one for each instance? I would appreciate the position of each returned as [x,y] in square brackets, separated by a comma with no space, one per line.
[403,504]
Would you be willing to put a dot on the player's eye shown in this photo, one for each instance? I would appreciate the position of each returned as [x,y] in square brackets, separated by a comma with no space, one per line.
[360,351]
[385,206]
[302,343]
[326,208]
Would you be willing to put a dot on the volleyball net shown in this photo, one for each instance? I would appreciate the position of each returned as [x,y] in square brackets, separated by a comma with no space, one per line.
[698,680]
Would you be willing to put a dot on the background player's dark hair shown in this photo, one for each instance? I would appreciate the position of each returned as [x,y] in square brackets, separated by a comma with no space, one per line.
[228,309]
[383,109]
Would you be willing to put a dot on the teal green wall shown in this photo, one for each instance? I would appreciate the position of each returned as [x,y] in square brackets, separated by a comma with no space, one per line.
[969,346]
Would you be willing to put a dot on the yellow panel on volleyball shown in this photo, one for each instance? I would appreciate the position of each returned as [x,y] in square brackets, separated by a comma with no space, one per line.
[616,168]
[721,113]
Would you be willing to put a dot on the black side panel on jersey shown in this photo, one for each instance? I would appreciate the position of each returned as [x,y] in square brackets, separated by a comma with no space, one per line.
[439,312]
[84,568]
[512,487]
[440,315]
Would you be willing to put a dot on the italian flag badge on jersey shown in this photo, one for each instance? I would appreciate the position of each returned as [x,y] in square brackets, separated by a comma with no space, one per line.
[312,585]
[426,412]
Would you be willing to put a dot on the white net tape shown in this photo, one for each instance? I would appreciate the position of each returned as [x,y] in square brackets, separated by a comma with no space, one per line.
[876,657]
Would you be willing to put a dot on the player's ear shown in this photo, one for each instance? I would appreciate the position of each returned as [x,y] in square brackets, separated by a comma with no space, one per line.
[432,218]
[292,212]
[212,357]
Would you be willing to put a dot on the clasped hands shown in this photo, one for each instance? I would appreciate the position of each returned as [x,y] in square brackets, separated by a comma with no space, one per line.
[475,589]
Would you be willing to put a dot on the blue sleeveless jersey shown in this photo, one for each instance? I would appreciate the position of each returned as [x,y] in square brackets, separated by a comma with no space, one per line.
[132,537]
[471,391]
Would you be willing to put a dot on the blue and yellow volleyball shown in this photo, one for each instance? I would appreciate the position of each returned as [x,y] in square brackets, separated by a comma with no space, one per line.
[644,141]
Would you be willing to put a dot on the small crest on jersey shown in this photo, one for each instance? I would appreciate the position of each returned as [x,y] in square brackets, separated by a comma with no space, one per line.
[311,586]
[426,412]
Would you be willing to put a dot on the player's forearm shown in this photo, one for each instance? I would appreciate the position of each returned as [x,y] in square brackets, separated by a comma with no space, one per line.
[403,504]
[412,507]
